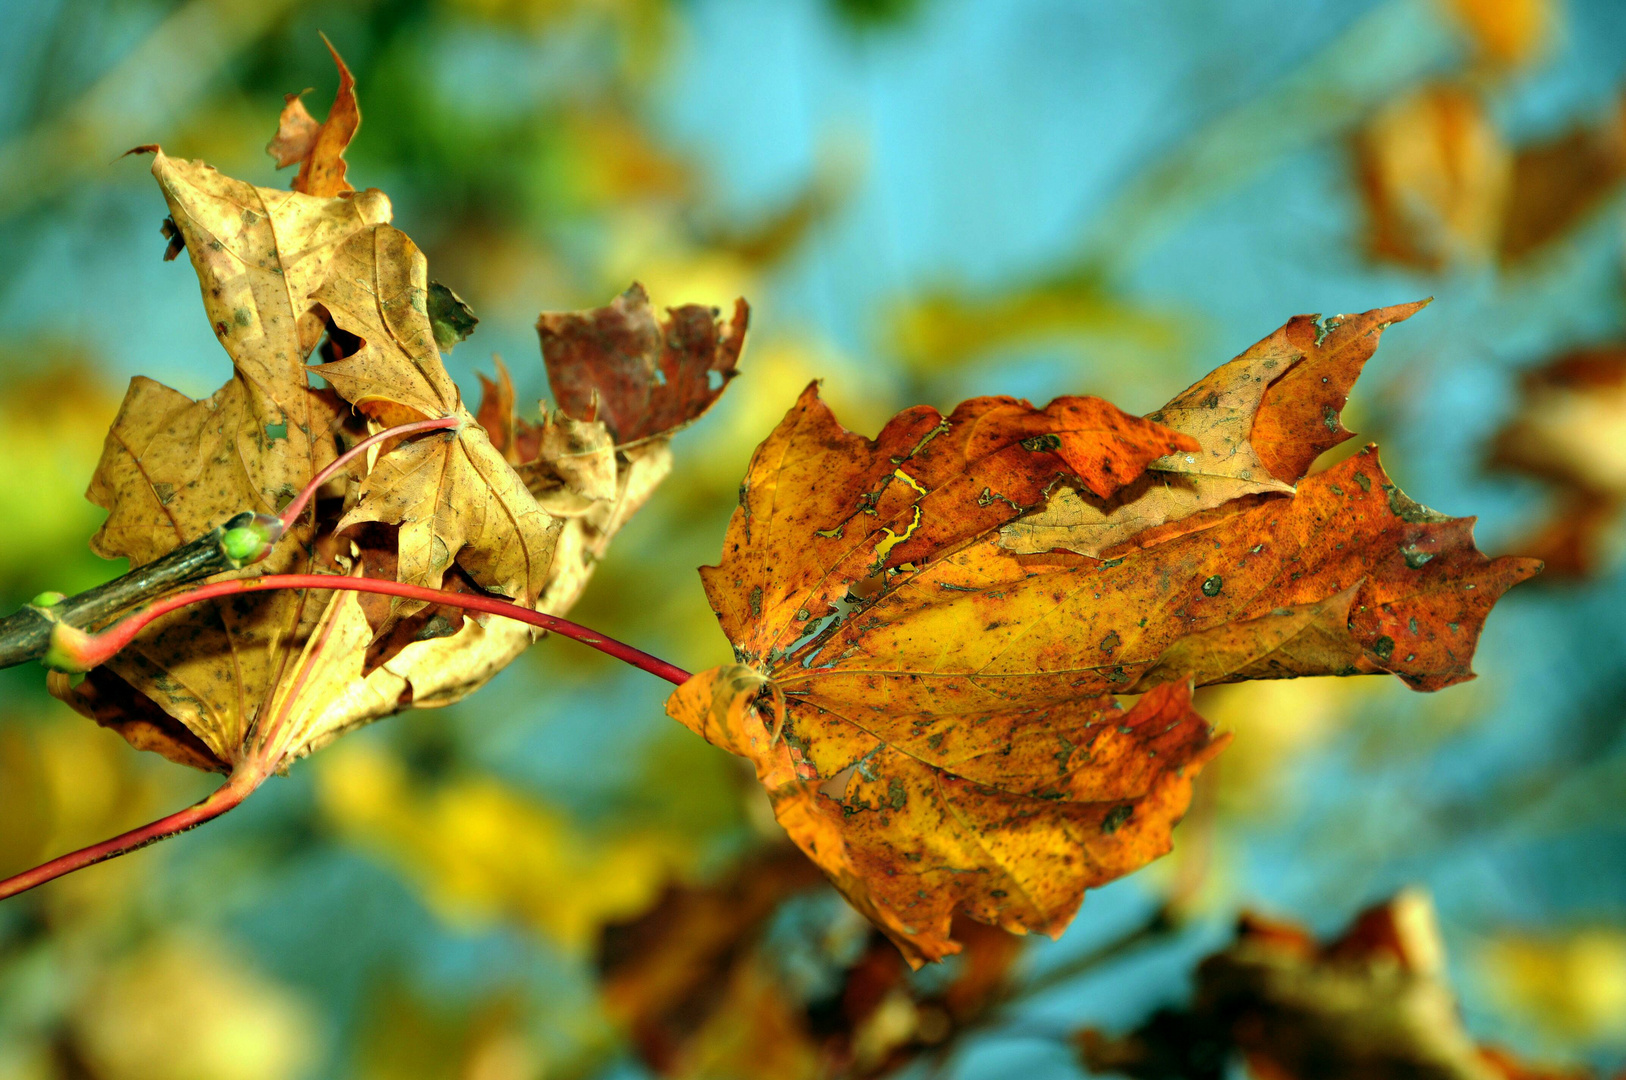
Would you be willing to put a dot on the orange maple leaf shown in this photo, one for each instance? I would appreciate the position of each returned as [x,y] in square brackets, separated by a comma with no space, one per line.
[932,715]
[318,148]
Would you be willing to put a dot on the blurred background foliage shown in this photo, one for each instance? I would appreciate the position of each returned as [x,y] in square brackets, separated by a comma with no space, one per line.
[924,200]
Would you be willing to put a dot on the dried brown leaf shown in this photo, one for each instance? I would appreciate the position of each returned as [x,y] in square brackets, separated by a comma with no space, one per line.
[641,376]
[318,148]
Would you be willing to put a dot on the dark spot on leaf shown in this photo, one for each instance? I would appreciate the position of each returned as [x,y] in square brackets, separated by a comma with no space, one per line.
[1042,444]
[1116,817]
[1213,585]
[1384,647]
[438,626]
[1410,510]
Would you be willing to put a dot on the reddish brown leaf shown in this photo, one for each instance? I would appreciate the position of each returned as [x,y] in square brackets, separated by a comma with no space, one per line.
[822,508]
[318,148]
[640,376]
[1286,392]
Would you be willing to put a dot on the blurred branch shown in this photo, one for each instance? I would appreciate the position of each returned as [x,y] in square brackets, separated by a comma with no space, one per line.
[1368,63]
[1380,54]
[1158,927]
[161,78]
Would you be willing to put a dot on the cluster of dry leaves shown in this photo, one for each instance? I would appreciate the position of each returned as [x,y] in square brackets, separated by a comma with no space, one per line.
[931,628]
[707,984]
[1373,1002]
[703,985]
[496,504]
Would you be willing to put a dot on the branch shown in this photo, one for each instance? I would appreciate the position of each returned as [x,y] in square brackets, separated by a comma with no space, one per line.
[241,541]
[291,512]
[74,650]
[241,784]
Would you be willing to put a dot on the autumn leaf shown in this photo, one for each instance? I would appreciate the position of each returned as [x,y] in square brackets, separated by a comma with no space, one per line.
[639,375]
[704,984]
[318,148]
[173,468]
[269,677]
[669,974]
[823,510]
[1372,1002]
[453,497]
[945,737]
[1225,412]
[594,461]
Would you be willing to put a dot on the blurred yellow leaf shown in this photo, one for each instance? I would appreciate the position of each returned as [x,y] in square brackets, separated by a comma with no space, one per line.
[1434,173]
[189,1009]
[1274,723]
[947,329]
[1572,987]
[24,801]
[407,1038]
[52,423]
[482,851]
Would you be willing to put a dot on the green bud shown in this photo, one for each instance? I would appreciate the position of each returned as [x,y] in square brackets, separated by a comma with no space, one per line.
[48,599]
[249,538]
